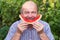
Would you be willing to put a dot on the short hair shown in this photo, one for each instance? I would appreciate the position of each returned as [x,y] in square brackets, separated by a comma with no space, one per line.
[21,10]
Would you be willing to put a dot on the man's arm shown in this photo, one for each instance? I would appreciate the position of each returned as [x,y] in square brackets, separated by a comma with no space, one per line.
[20,28]
[11,32]
[47,34]
[43,31]
[16,36]
[40,27]
[43,36]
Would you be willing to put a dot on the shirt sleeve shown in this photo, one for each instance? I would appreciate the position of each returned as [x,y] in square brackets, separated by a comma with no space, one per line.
[48,32]
[11,32]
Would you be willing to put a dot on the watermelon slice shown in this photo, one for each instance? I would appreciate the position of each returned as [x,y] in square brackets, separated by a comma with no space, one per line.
[38,17]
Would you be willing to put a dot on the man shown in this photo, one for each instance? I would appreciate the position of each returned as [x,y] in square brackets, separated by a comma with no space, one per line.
[19,31]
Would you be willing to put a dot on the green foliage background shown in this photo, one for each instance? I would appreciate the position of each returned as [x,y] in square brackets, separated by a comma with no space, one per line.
[10,10]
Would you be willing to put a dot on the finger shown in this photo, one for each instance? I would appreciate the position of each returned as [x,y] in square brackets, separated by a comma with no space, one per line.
[22,27]
[22,24]
[38,24]
[35,26]
[38,27]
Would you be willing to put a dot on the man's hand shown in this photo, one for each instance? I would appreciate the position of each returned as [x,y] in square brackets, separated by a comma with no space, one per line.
[38,26]
[22,26]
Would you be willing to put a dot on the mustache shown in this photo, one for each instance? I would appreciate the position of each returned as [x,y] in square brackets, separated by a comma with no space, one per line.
[30,18]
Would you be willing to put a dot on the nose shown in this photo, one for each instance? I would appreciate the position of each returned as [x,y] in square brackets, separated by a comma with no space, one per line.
[30,15]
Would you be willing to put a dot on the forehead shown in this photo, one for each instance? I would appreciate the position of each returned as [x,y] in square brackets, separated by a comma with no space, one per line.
[29,6]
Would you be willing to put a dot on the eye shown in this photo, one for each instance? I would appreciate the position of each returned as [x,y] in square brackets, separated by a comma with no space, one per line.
[26,12]
[34,12]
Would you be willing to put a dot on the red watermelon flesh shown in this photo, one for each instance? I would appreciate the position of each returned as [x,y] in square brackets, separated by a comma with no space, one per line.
[38,17]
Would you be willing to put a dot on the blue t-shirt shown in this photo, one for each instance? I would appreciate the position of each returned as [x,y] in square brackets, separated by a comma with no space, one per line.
[29,34]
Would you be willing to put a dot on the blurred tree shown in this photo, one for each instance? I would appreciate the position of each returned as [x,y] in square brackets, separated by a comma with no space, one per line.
[10,10]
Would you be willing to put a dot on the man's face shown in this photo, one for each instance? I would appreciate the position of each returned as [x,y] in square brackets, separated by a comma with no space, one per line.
[29,12]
